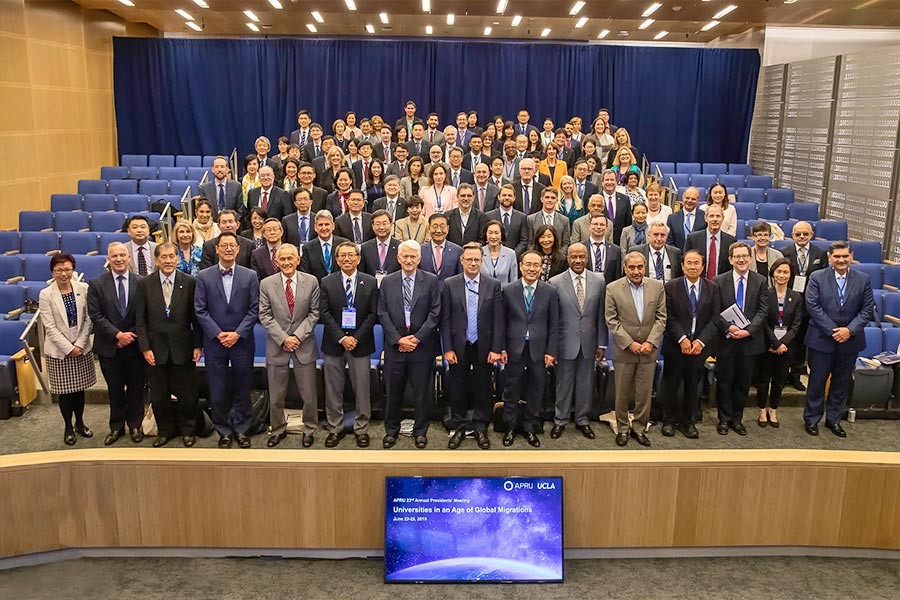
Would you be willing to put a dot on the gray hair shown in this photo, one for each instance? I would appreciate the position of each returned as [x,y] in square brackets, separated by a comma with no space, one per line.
[325,215]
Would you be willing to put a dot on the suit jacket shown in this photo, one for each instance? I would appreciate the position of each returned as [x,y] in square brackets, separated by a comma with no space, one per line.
[173,336]
[438,138]
[280,322]
[697,241]
[103,309]
[450,264]
[399,207]
[402,122]
[465,176]
[343,226]
[517,236]
[308,152]
[261,262]
[581,230]
[279,202]
[542,323]
[622,213]
[673,254]
[624,324]
[369,256]
[464,138]
[679,317]
[467,161]
[581,329]
[491,192]
[826,313]
[424,318]
[792,319]
[406,189]
[333,204]
[60,338]
[394,168]
[378,151]
[333,301]
[676,227]
[319,197]
[209,258]
[295,136]
[424,146]
[613,256]
[455,316]
[560,224]
[291,226]
[132,266]
[534,204]
[216,314]
[313,260]
[589,190]
[474,227]
[756,308]
[816,259]
[234,196]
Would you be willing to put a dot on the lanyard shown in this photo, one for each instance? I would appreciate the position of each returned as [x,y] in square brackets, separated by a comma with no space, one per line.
[494,262]
[781,312]
[409,236]
[437,198]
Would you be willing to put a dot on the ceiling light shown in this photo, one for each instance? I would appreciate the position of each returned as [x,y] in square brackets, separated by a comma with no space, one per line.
[501,7]
[317,16]
[576,8]
[311,27]
[516,20]
[646,24]
[429,30]
[426,5]
[724,12]
[275,4]
[194,26]
[127,2]
[253,27]
[451,19]
[651,9]
[545,32]
[660,35]
[487,31]
[709,26]
[201,3]
[603,34]
[183,13]
[581,22]
[370,28]
[384,17]
[252,16]
[351,5]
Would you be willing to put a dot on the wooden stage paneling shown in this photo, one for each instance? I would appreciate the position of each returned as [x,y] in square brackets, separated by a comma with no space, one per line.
[320,499]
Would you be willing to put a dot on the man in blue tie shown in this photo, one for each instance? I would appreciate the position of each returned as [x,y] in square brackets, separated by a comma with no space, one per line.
[223,193]
[840,304]
[472,331]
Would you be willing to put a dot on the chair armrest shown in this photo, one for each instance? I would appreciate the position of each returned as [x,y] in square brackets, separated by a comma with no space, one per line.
[92,253]
[10,252]
[892,319]
[52,252]
[890,288]
[15,279]
[86,229]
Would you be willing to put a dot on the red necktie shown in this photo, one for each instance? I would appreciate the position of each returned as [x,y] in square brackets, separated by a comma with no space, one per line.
[289,296]
[265,201]
[712,259]
[274,262]
[366,170]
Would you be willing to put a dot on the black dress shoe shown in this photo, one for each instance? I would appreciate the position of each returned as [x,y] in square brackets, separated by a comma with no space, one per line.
[798,385]
[362,440]
[308,440]
[586,431]
[189,441]
[160,441]
[508,437]
[225,441]
[275,439]
[137,435]
[837,430]
[774,424]
[112,437]
[83,431]
[812,429]
[389,441]
[689,431]
[421,441]
[333,439]
[668,430]
[739,428]
[456,439]
[722,428]
[621,439]
[483,441]
[641,438]
[556,432]
[533,440]
[69,437]
[762,423]
[243,440]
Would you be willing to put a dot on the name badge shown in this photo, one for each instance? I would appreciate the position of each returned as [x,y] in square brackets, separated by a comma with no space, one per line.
[379,275]
[799,284]
[780,332]
[348,318]
[407,314]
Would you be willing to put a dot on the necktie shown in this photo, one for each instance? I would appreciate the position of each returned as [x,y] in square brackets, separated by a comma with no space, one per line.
[801,259]
[316,153]
[382,254]
[688,223]
[357,232]
[302,138]
[274,262]
[229,271]
[366,170]
[289,296]
[471,312]
[526,197]
[659,265]
[304,230]
[842,285]
[123,297]
[387,154]
[506,223]
[142,262]
[265,201]
[167,291]
[581,190]
[326,254]
[418,147]
[529,297]
[481,198]
[693,298]
[438,255]
[611,208]
[711,259]
[475,160]
[407,293]
[430,137]
[348,291]
[456,179]
[598,258]
[548,219]
[221,200]
[579,292]
[740,293]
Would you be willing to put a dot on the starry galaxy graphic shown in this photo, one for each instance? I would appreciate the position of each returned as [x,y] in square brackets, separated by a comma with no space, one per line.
[473,529]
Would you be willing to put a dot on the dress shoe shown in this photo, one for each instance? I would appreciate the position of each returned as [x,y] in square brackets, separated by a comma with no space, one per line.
[798,385]
[837,430]
[421,441]
[668,430]
[722,428]
[773,421]
[112,437]
[69,437]
[812,429]
[160,441]
[225,441]
[275,439]
[137,435]
[362,440]
[388,442]
[456,439]
[334,438]
[689,431]
[308,440]
[556,432]
[83,431]
[586,431]
[533,440]
[508,437]
[483,441]
[739,428]
[243,440]
[621,439]
[641,438]
[189,441]
[762,423]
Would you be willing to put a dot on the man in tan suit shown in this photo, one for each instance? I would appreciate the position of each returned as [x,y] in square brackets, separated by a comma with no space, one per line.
[636,315]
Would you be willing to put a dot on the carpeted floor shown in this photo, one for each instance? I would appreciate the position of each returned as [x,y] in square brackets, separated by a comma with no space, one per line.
[756,578]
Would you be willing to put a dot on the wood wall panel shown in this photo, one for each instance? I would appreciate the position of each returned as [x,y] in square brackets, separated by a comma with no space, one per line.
[14,66]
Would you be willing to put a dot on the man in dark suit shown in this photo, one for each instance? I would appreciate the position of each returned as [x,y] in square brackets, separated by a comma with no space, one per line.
[409,119]
[379,255]
[474,156]
[439,256]
[300,136]
[391,201]
[307,175]
[355,225]
[274,200]
[472,330]
[263,260]
[485,191]
[532,338]
[514,222]
[604,258]
[840,304]
[692,309]
[228,223]
[738,347]
[466,222]
[686,221]
[363,165]
[663,261]
[409,310]
[583,185]
[313,148]
[456,175]
[712,243]
[417,144]
[565,153]
[298,226]
[169,338]
[400,165]
[528,190]
[384,151]
[618,206]
[318,256]
[227,305]
[222,192]
[110,304]
[522,125]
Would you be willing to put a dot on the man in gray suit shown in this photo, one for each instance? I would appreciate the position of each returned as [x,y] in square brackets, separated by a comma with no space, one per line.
[485,191]
[663,261]
[581,228]
[222,192]
[636,315]
[140,248]
[582,339]
[548,215]
[289,310]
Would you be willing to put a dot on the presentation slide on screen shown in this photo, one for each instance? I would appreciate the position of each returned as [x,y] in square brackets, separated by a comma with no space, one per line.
[473,529]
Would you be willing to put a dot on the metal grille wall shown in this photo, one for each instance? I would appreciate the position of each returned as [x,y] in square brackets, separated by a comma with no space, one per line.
[765,130]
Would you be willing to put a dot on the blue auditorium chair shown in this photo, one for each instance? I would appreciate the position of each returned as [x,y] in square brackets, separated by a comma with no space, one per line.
[91,186]
[779,196]
[188,160]
[10,332]
[788,227]
[663,167]
[753,195]
[804,211]
[759,181]
[375,358]
[91,267]
[153,217]
[12,298]
[704,181]
[197,173]
[107,221]
[72,221]
[134,160]
[892,310]
[772,212]
[319,332]
[821,244]
[259,351]
[874,271]
[874,342]
[740,228]
[38,242]
[892,339]
[681,180]
[162,199]
[208,160]
[177,188]
[150,187]
[99,202]
[892,278]
[781,244]
[715,168]
[79,242]
[35,220]
[143,173]
[33,288]
[878,297]
[65,202]
[733,182]
[689,168]
[161,160]
[123,186]
[108,237]
[745,210]
[133,203]
[170,173]
[832,230]
[109,173]
[36,267]
[740,169]
[9,242]
[867,252]
[10,268]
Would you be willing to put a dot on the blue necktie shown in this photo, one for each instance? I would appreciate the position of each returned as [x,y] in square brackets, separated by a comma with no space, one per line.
[471,312]
[327,256]
[304,230]
[529,297]
[740,293]
[407,293]
[693,297]
[221,200]
[357,232]
[659,266]
[842,286]
[123,297]
[349,292]
[688,224]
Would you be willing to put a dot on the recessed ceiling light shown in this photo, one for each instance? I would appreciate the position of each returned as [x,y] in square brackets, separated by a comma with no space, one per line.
[451,19]
[646,24]
[127,2]
[311,27]
[275,4]
[194,26]
[651,9]
[660,35]
[576,8]
[603,34]
[370,28]
[384,17]
[429,30]
[351,5]
[252,16]
[426,5]
[253,27]
[581,22]
[709,25]
[187,16]
[545,32]
[317,16]
[487,31]
[201,3]
[501,6]
[516,20]
[724,12]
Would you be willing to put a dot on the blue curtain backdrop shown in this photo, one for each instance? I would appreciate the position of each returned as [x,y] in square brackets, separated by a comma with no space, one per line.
[190,96]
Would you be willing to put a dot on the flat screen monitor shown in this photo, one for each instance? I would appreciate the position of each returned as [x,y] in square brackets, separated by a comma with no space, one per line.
[473,529]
